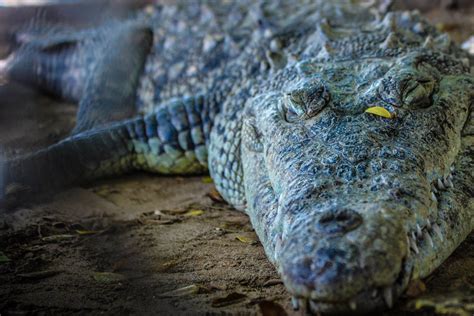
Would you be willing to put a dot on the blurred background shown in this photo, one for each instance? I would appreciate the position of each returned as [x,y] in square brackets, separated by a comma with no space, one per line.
[14,13]
[454,16]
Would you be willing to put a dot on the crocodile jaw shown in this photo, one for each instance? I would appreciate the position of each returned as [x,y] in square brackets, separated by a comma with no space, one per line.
[368,267]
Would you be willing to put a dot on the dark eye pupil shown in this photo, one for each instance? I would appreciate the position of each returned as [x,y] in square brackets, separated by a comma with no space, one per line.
[411,91]
[317,94]
[306,101]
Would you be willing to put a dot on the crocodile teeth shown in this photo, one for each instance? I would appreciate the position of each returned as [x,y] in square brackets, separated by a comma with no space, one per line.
[414,246]
[429,42]
[433,197]
[391,41]
[388,297]
[448,183]
[440,185]
[353,305]
[313,307]
[277,250]
[429,239]
[374,293]
[428,223]
[418,28]
[443,41]
[433,188]
[275,45]
[389,21]
[295,304]
[437,230]
[418,230]
[326,51]
[445,182]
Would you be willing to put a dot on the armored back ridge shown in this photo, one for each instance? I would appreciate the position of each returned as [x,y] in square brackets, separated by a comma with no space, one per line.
[343,131]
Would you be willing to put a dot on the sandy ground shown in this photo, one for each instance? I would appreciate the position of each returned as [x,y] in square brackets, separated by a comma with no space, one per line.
[143,244]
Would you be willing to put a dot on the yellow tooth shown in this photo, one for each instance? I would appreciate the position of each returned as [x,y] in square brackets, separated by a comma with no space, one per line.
[380,111]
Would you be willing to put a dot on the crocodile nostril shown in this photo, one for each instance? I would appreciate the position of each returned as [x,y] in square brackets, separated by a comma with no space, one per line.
[339,221]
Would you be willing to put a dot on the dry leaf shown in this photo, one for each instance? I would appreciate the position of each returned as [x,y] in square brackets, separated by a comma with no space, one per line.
[215,196]
[273,282]
[246,240]
[206,180]
[194,213]
[87,232]
[187,290]
[380,111]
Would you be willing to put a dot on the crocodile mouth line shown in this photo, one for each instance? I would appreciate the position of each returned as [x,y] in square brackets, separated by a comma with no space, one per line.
[374,296]
[421,233]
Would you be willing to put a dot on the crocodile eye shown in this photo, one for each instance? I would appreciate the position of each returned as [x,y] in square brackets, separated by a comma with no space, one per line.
[417,93]
[411,91]
[306,101]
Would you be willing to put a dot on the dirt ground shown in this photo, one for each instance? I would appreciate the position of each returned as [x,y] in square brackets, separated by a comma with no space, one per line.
[143,244]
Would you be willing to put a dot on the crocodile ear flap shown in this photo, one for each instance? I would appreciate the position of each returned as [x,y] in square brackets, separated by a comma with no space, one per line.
[250,136]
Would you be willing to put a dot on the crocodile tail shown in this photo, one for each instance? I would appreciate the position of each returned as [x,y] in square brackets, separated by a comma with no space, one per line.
[56,64]
[51,54]
[57,58]
[74,160]
[172,140]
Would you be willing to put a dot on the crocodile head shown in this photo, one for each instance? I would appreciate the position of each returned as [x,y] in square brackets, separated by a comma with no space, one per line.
[351,206]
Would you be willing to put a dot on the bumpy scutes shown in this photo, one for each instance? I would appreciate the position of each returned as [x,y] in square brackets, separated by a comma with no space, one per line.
[349,206]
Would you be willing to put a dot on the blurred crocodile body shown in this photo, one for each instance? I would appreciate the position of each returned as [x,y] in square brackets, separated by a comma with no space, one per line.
[271,99]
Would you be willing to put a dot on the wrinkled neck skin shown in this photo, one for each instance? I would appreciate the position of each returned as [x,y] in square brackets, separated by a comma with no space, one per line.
[348,205]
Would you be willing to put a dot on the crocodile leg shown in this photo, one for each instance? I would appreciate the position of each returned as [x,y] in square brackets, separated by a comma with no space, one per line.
[99,69]
[172,140]
[110,88]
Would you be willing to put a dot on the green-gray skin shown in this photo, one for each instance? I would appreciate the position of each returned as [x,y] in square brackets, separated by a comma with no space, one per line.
[349,206]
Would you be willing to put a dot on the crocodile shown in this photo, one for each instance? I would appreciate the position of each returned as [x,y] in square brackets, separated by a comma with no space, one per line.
[343,129]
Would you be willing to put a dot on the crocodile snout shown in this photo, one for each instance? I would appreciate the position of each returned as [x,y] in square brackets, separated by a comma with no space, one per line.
[340,220]
[335,253]
[327,267]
